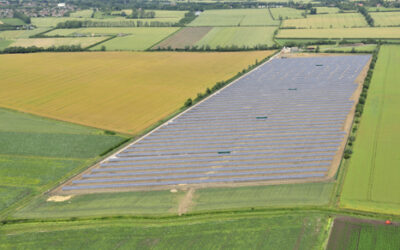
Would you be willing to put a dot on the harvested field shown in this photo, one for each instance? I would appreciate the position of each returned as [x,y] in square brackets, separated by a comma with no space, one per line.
[372,179]
[235,17]
[356,33]
[140,39]
[49,42]
[187,36]
[14,34]
[353,233]
[386,18]
[267,127]
[342,20]
[120,91]
[238,36]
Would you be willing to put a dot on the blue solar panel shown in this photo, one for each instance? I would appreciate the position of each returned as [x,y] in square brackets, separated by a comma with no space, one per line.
[299,134]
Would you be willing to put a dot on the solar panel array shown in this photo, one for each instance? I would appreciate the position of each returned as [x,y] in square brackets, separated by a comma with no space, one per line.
[283,121]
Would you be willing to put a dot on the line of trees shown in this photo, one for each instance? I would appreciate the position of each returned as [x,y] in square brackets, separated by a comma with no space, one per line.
[33,49]
[73,24]
[360,105]
[366,15]
[219,48]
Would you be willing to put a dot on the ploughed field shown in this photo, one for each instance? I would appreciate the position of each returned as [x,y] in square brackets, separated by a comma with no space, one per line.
[285,121]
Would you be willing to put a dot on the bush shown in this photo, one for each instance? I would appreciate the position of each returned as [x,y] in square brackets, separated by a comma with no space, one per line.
[188,102]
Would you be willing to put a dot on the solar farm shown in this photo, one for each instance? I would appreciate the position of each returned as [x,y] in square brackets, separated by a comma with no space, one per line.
[285,121]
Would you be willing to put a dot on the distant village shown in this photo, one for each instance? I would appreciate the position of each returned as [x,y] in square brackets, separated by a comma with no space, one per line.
[35,9]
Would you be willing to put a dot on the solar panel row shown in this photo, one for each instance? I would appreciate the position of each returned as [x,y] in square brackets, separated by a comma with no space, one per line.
[282,121]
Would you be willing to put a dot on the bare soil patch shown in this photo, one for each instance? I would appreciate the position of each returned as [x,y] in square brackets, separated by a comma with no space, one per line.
[59,198]
[185,37]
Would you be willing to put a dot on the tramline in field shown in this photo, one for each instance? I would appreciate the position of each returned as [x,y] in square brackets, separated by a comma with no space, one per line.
[284,121]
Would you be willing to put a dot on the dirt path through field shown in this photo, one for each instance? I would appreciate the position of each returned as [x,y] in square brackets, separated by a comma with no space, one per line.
[186,202]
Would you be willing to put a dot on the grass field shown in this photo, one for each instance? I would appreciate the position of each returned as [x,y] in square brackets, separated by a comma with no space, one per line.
[165,202]
[273,232]
[14,34]
[140,39]
[239,36]
[386,18]
[366,48]
[351,233]
[262,196]
[4,43]
[173,15]
[107,204]
[121,91]
[327,10]
[82,13]
[285,13]
[12,21]
[381,8]
[37,152]
[187,36]
[383,33]
[49,42]
[371,181]
[345,20]
[235,17]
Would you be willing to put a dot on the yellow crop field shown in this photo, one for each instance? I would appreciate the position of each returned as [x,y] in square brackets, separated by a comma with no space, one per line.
[342,20]
[120,91]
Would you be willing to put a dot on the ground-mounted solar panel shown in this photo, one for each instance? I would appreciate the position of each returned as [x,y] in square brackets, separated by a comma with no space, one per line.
[283,121]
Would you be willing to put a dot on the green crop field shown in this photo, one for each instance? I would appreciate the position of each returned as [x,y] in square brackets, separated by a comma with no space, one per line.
[383,33]
[37,152]
[239,36]
[139,39]
[386,18]
[372,179]
[49,42]
[345,20]
[285,13]
[350,233]
[235,17]
[82,13]
[12,21]
[238,232]
[94,31]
